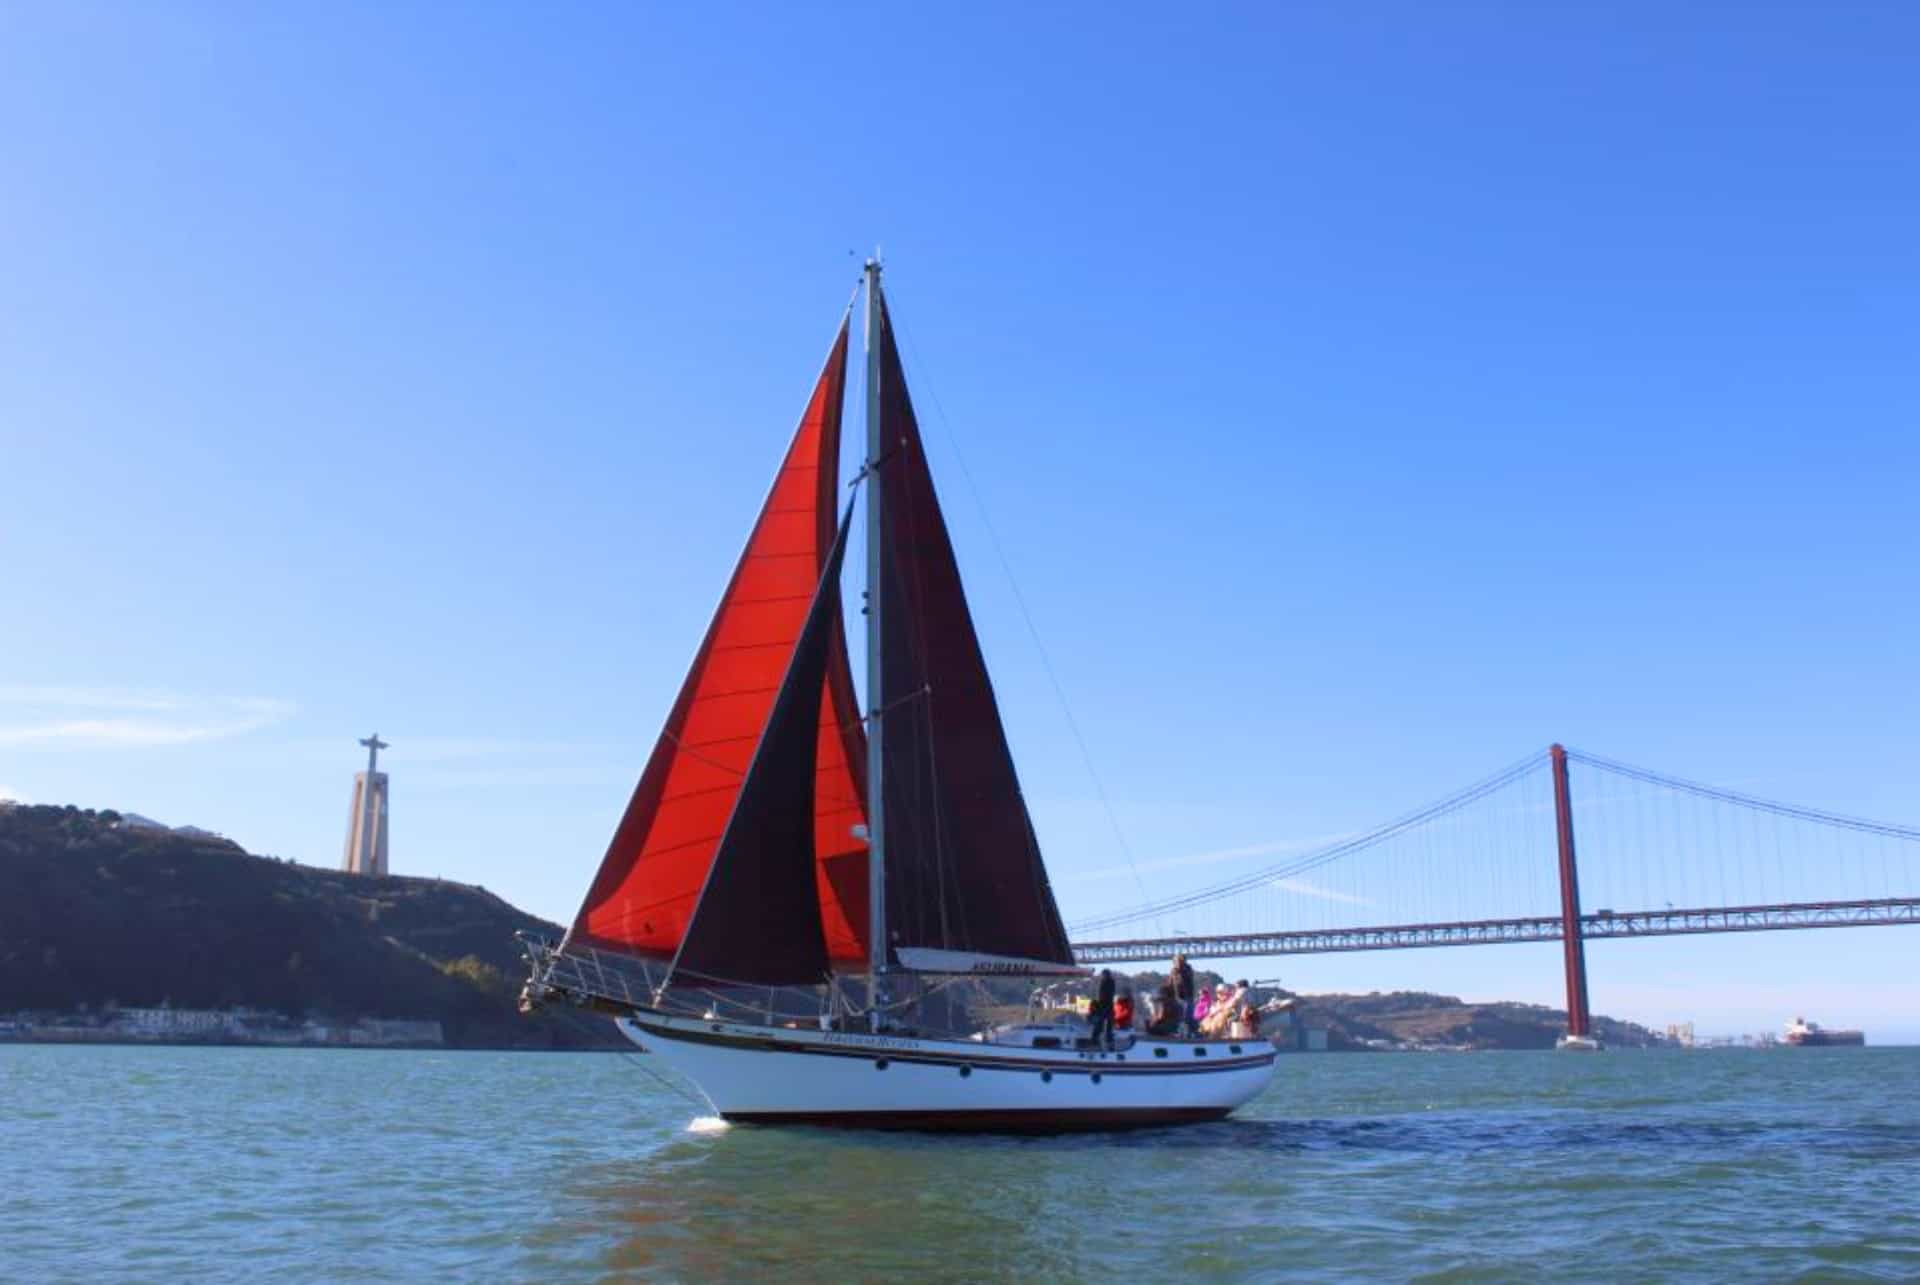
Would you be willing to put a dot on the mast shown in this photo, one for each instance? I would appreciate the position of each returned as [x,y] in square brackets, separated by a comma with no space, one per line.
[876,793]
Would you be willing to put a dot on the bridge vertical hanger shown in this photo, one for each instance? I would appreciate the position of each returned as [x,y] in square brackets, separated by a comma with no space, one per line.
[1571,942]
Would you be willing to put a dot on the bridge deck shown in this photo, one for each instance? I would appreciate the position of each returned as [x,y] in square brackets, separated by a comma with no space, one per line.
[1667,922]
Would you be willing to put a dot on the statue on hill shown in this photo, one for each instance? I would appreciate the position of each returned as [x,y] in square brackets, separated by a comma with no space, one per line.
[367,824]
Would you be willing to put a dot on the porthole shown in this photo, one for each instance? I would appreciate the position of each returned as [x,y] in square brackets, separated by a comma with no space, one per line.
[1159,1052]
[879,1064]
[1199,1052]
[1046,1077]
[1096,1077]
[965,1071]
[1235,1048]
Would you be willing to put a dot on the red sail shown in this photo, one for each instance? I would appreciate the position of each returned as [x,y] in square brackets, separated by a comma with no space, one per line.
[658,860]
[840,804]
[758,921]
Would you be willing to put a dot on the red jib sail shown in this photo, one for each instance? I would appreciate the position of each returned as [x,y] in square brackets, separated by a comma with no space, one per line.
[654,869]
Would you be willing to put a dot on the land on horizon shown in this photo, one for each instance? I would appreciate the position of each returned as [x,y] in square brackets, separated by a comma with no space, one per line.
[109,915]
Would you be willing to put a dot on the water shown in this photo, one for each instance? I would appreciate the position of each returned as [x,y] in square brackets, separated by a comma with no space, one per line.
[209,1164]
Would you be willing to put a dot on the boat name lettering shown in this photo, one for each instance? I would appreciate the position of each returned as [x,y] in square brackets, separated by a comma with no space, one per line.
[873,1041]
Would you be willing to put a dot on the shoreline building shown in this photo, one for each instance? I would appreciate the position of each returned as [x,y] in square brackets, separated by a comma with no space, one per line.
[367,824]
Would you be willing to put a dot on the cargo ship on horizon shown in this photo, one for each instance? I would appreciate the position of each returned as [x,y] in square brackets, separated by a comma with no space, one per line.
[1804,1034]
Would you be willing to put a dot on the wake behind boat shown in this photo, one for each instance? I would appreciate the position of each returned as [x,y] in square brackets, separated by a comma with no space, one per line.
[796,896]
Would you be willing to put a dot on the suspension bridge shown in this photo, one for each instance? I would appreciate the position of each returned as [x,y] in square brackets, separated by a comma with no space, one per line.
[1499,862]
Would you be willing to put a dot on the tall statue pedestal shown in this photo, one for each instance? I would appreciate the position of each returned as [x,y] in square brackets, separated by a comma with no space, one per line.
[367,823]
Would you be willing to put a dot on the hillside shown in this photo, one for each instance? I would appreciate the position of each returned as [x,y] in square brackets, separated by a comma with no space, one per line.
[98,914]
[1415,1019]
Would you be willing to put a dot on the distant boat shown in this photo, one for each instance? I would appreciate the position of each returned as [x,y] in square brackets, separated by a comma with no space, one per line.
[1804,1034]
[795,891]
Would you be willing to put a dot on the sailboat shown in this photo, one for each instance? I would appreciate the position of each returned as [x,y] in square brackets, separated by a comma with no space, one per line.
[800,897]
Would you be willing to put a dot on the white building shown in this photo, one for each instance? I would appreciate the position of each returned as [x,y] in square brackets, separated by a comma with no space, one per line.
[174,1021]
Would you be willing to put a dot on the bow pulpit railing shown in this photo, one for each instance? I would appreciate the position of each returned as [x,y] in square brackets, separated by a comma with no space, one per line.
[583,977]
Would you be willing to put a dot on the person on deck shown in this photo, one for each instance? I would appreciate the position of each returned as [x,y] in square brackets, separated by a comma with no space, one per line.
[1123,1010]
[1166,1011]
[1202,1010]
[1100,1034]
[1250,1015]
[1223,1012]
[1245,1020]
[1183,992]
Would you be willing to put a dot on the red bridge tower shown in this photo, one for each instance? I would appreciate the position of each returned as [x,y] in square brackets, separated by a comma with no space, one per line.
[1575,947]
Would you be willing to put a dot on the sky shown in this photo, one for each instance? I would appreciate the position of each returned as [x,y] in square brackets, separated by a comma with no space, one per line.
[1357,397]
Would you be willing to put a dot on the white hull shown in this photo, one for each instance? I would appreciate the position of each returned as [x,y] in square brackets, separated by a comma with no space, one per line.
[1579,1044]
[785,1076]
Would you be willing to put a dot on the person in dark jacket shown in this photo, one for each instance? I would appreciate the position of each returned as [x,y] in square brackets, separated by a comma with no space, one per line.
[1183,991]
[1101,1011]
[1165,1019]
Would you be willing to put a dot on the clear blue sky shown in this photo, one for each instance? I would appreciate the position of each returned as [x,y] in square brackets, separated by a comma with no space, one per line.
[1363,398]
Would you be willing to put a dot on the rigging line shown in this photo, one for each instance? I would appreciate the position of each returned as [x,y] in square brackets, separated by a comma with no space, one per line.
[1746,800]
[715,999]
[1006,568]
[639,1063]
[630,1056]
[925,689]
[1313,860]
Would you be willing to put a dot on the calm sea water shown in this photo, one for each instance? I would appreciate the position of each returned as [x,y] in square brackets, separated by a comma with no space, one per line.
[206,1164]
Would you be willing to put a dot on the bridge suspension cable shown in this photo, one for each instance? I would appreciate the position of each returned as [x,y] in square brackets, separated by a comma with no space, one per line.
[1791,810]
[1320,857]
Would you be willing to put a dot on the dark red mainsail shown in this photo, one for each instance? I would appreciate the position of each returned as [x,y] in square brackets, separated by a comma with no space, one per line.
[651,877]
[963,866]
